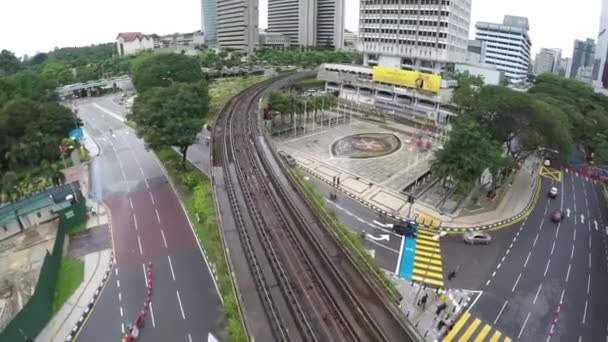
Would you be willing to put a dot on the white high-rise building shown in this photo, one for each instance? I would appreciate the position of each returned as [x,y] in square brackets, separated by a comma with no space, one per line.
[508,46]
[308,22]
[209,20]
[237,24]
[414,36]
[547,60]
[600,71]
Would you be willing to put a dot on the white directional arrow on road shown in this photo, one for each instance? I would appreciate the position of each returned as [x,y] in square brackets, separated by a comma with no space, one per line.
[371,252]
[595,222]
[582,218]
[381,238]
[384,225]
[568,212]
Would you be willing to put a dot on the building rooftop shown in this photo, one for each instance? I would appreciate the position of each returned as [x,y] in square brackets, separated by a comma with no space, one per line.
[131,36]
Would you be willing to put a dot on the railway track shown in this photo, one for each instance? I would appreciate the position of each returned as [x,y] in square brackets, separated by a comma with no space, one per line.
[316,301]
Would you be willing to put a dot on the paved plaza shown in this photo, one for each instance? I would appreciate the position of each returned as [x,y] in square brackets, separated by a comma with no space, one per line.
[374,161]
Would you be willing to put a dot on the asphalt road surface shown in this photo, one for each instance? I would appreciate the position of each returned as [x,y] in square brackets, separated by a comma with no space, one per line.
[542,281]
[148,225]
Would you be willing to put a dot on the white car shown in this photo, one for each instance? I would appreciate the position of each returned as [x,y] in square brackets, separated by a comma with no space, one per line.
[547,162]
[553,192]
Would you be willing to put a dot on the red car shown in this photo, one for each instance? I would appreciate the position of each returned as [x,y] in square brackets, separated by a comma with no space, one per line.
[553,192]
[557,216]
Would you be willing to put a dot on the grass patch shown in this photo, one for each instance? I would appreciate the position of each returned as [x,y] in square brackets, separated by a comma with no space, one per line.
[349,239]
[221,90]
[71,274]
[197,193]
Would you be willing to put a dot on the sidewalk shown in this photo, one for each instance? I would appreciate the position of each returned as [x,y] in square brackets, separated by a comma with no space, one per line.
[97,266]
[89,144]
[424,317]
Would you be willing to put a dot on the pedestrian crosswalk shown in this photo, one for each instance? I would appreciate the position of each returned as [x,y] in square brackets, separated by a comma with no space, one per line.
[427,259]
[469,328]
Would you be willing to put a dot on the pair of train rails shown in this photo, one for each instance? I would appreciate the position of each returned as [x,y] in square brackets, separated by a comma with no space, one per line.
[321,301]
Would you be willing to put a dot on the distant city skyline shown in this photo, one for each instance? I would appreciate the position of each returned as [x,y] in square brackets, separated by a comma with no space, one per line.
[64,23]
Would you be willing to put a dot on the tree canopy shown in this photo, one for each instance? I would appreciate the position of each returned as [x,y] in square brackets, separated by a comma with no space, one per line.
[160,70]
[172,115]
[469,151]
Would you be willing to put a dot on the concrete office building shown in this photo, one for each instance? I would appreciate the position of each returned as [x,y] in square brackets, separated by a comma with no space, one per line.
[476,52]
[209,21]
[308,22]
[564,67]
[237,24]
[600,69]
[547,60]
[583,55]
[415,48]
[508,46]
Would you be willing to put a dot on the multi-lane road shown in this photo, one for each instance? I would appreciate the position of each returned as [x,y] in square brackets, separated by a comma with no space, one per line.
[541,280]
[148,225]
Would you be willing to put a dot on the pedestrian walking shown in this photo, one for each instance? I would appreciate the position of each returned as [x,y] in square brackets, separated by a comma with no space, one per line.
[422,301]
[440,308]
[441,324]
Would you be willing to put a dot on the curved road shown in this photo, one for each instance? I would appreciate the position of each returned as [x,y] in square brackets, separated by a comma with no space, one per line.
[148,224]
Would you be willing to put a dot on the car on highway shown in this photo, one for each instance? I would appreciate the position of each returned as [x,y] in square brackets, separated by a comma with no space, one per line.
[477,238]
[557,216]
[552,192]
[547,163]
[287,158]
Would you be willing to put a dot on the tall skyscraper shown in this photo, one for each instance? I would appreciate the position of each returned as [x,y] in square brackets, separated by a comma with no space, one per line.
[547,60]
[237,24]
[583,55]
[600,69]
[209,20]
[308,22]
[508,46]
[414,36]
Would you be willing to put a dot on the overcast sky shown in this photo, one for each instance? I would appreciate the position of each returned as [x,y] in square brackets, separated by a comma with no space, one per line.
[28,26]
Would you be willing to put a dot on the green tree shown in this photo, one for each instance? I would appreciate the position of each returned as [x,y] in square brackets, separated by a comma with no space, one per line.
[57,72]
[171,116]
[160,70]
[466,95]
[9,63]
[468,152]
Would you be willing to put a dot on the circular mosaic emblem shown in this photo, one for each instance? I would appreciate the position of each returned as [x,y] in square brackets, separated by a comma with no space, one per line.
[366,145]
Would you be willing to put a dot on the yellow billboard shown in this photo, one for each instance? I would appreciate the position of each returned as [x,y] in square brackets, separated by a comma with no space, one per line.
[406,78]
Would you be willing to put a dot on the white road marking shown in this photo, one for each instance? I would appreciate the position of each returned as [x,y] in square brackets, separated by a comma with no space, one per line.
[488,282]
[121,313]
[501,310]
[493,274]
[588,283]
[152,315]
[122,327]
[561,298]
[120,296]
[117,283]
[547,267]
[572,252]
[131,203]
[116,271]
[537,293]
[189,338]
[142,172]
[553,248]
[521,331]
[589,260]
[574,238]
[589,241]
[141,251]
[383,246]
[181,308]
[398,267]
[152,197]
[162,233]
[157,216]
[535,239]
[171,267]
[499,265]
[585,312]
[147,184]
[135,221]
[527,259]
[568,273]
[515,285]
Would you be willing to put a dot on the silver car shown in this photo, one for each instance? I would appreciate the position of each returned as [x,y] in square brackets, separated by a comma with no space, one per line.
[477,238]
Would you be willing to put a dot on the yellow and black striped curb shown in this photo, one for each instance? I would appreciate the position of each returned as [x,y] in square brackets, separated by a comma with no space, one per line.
[450,230]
